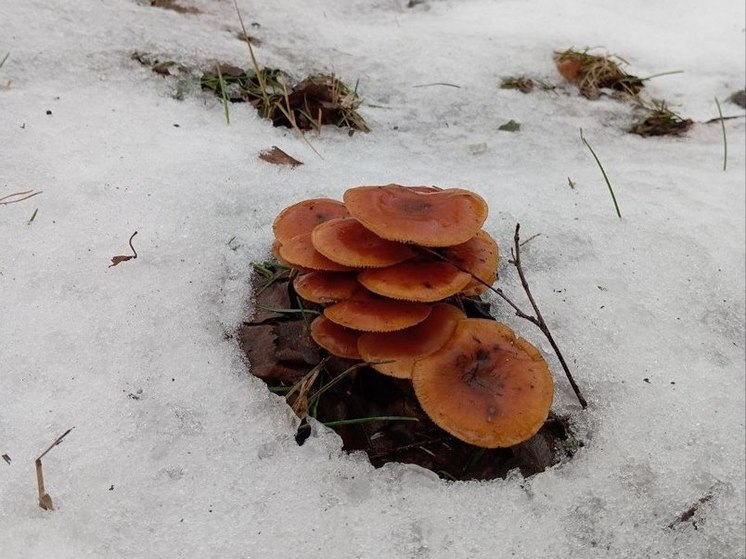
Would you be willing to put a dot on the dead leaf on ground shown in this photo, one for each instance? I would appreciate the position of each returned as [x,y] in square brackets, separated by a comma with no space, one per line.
[124,258]
[278,157]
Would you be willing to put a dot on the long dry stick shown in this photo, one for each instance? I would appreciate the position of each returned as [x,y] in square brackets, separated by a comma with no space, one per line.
[540,322]
[45,501]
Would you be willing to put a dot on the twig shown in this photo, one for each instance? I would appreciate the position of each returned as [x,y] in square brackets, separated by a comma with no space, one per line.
[45,501]
[537,320]
[531,238]
[541,322]
[603,172]
[18,197]
[725,138]
[721,118]
[437,83]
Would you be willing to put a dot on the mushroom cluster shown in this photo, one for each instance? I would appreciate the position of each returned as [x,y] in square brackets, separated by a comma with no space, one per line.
[387,265]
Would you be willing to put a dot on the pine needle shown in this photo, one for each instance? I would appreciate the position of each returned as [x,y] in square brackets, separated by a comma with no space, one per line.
[603,172]
[725,138]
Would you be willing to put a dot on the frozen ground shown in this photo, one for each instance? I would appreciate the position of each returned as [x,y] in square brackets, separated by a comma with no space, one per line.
[178,452]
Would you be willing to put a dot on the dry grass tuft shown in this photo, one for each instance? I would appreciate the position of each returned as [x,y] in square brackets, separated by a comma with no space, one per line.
[309,104]
[591,73]
[659,120]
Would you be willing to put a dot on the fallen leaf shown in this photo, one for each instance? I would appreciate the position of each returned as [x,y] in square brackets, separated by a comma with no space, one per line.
[278,157]
[124,258]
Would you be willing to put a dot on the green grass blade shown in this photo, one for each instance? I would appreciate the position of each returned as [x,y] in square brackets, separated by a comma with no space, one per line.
[361,420]
[223,94]
[725,138]
[603,172]
[313,399]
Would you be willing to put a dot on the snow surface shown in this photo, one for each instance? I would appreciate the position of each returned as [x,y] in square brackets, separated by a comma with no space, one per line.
[178,452]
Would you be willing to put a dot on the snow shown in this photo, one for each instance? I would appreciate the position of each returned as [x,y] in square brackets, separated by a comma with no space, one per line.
[178,452]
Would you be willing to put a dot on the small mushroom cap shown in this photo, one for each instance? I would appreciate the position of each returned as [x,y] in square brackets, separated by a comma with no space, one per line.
[336,339]
[326,287]
[414,215]
[480,256]
[302,217]
[368,313]
[346,241]
[416,280]
[485,385]
[570,68]
[395,353]
[299,252]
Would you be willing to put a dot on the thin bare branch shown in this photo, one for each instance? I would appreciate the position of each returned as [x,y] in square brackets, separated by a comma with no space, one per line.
[537,320]
[45,501]
[18,197]
[516,252]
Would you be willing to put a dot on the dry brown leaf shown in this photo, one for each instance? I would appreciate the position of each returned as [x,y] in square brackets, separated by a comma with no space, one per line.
[124,258]
[278,157]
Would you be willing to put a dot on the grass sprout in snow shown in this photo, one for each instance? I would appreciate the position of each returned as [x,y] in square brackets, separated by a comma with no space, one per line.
[725,138]
[661,121]
[603,172]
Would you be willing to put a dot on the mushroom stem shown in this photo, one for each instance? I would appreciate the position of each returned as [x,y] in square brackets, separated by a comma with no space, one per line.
[537,320]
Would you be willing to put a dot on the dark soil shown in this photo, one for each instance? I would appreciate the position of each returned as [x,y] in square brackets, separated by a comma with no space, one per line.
[282,353]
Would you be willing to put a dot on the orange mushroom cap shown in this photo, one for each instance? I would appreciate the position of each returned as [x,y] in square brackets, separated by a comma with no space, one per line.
[485,385]
[326,287]
[480,256]
[369,313]
[302,217]
[411,215]
[395,353]
[299,252]
[346,241]
[415,281]
[570,66]
[336,339]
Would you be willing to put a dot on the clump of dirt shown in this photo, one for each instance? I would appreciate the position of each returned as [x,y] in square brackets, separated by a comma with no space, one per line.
[660,121]
[309,104]
[592,73]
[372,412]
